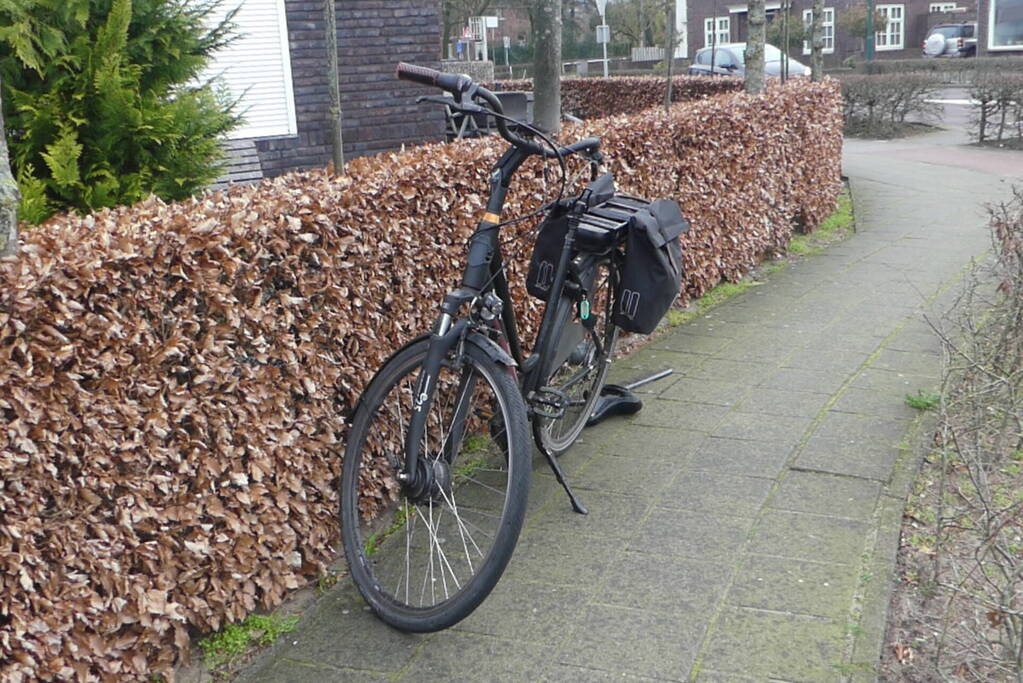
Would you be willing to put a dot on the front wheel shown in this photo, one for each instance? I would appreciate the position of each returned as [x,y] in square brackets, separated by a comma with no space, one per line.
[425,559]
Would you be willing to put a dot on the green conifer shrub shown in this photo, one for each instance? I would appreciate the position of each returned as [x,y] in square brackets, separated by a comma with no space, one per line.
[103,102]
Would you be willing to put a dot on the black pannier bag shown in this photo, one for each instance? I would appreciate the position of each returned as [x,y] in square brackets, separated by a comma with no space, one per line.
[650,232]
[652,275]
[546,253]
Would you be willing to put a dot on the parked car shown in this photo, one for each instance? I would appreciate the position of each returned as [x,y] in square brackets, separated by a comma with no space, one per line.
[952,40]
[729,59]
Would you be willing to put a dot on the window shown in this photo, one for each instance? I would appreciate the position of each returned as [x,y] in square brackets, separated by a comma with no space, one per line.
[827,28]
[890,38]
[724,32]
[1005,28]
[943,7]
[256,67]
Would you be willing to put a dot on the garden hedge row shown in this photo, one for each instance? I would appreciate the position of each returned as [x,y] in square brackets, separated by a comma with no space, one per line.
[175,378]
[963,68]
[592,98]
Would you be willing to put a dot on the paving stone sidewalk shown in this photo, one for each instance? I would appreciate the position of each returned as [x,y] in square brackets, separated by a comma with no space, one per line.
[743,526]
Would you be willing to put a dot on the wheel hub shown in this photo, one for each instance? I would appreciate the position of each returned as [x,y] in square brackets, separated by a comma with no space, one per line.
[431,482]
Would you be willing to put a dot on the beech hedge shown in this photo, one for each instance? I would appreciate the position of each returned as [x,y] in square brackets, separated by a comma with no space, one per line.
[592,98]
[175,378]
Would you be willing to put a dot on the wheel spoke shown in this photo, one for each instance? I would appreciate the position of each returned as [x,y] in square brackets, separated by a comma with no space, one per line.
[425,563]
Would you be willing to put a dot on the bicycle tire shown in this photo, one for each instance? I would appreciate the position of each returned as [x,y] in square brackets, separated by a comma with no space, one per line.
[462,537]
[580,375]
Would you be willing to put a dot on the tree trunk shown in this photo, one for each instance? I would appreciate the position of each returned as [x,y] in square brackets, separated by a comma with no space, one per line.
[669,55]
[642,29]
[817,41]
[9,197]
[334,87]
[785,6]
[446,38]
[547,65]
[757,36]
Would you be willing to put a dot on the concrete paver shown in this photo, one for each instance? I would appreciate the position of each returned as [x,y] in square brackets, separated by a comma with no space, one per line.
[743,525]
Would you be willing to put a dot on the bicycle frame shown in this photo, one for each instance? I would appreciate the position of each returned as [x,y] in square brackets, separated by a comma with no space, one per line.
[483,275]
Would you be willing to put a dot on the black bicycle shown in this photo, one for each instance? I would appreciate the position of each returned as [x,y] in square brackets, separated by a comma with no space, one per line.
[437,465]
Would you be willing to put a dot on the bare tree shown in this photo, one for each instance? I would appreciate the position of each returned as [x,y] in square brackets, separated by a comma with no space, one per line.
[547,64]
[757,19]
[817,41]
[9,196]
[333,79]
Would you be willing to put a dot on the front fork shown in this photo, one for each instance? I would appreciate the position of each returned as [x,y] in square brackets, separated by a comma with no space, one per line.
[447,334]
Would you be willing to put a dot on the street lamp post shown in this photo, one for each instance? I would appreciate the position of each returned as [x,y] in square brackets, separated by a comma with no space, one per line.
[603,31]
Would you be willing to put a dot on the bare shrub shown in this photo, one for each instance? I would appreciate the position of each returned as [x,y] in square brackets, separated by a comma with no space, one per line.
[878,105]
[967,558]
[998,108]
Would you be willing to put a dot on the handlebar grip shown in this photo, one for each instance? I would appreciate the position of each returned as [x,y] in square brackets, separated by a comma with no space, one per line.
[417,74]
[455,84]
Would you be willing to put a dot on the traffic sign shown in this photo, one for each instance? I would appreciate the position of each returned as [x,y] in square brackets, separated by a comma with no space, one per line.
[603,33]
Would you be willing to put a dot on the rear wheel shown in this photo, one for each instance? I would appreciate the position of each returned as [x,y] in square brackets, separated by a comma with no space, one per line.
[582,355]
[425,559]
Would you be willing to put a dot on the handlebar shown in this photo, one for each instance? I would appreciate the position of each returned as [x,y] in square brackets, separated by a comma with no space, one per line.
[460,84]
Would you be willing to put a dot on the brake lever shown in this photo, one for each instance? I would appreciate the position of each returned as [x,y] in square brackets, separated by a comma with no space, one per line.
[462,107]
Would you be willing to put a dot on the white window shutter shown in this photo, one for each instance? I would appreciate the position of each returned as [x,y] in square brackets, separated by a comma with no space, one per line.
[256,67]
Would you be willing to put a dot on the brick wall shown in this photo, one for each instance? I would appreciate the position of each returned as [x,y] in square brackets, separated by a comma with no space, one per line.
[378,111]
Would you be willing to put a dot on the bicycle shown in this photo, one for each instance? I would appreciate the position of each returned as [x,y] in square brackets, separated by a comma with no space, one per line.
[462,399]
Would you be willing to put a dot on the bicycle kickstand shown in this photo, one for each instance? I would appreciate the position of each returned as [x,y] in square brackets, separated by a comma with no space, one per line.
[559,474]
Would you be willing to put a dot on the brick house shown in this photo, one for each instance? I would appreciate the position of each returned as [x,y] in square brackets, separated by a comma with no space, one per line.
[278,67]
[909,22]
[1000,27]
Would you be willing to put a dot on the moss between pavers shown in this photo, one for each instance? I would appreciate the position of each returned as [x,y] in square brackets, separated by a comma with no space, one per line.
[786,585]
[732,494]
[756,458]
[783,646]
[804,536]
[526,611]
[697,535]
[849,497]
[663,584]
[870,460]
[632,641]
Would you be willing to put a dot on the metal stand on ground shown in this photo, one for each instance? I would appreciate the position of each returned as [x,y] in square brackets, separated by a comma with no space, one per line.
[615,399]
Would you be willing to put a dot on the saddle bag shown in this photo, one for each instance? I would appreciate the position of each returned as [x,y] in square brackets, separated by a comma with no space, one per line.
[652,275]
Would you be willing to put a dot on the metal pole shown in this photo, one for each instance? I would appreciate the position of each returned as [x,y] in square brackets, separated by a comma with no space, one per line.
[870,31]
[602,10]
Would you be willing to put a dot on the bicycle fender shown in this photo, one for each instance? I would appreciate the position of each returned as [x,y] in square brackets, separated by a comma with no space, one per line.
[490,347]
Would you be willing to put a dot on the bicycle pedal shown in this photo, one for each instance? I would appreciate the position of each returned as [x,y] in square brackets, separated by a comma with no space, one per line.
[548,402]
